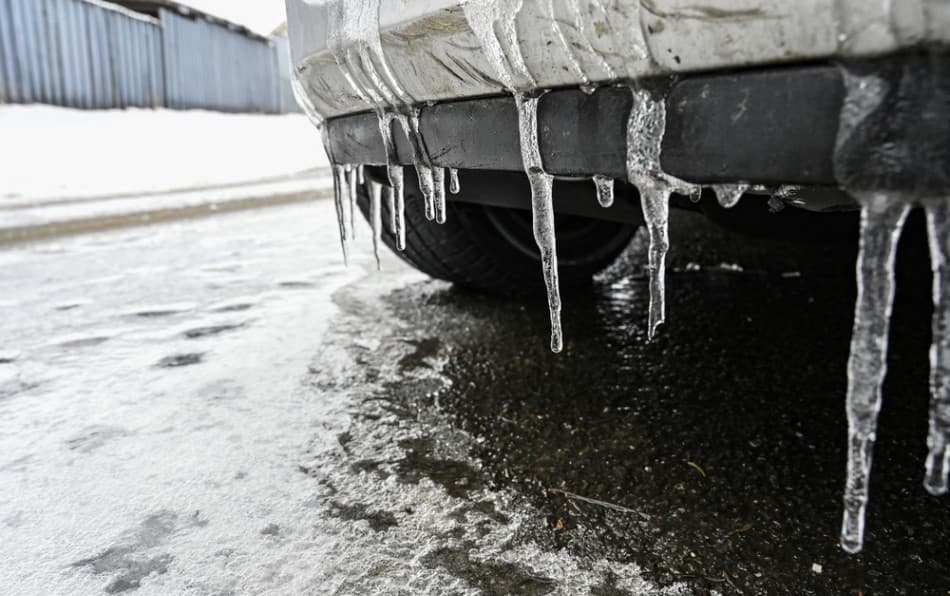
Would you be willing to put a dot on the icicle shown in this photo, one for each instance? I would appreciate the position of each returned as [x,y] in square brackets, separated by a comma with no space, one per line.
[485,18]
[655,201]
[882,217]
[339,182]
[376,218]
[438,195]
[420,158]
[542,208]
[354,39]
[605,190]
[454,186]
[427,186]
[728,195]
[645,129]
[395,172]
[360,177]
[938,437]
[391,205]
[396,179]
[351,198]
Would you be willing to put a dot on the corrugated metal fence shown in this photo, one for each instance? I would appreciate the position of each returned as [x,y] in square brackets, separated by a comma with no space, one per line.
[209,66]
[80,54]
[90,54]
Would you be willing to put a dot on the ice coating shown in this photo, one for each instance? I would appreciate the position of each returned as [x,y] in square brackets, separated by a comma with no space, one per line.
[605,190]
[542,208]
[728,195]
[454,186]
[353,38]
[575,34]
[580,25]
[438,195]
[568,48]
[882,218]
[486,18]
[938,437]
[645,128]
[376,218]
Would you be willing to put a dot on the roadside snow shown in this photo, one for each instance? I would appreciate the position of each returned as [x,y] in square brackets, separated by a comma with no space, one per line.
[18,220]
[57,153]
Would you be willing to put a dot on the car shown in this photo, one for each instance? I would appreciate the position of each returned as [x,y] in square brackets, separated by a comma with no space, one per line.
[564,125]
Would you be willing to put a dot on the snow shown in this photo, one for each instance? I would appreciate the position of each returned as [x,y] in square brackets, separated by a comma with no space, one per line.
[20,220]
[58,153]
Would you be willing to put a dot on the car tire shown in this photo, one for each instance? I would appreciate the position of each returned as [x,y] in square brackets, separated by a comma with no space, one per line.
[492,249]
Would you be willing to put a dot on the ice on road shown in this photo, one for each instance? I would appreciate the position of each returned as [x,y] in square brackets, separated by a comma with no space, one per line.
[201,407]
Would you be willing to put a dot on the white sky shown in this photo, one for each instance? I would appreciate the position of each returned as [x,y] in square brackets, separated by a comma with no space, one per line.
[258,15]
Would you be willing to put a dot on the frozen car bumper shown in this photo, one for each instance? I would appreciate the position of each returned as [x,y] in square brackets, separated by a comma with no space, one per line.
[433,53]
[757,95]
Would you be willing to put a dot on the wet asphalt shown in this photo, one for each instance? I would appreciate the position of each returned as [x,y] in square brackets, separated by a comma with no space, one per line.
[238,414]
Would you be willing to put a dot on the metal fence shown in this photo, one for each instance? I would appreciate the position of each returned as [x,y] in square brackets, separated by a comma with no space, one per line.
[79,53]
[91,54]
[209,66]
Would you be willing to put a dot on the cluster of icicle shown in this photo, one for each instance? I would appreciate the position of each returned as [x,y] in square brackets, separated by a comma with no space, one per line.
[493,22]
[883,213]
[353,38]
[355,42]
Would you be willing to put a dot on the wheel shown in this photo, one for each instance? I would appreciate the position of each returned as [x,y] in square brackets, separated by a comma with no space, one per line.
[492,249]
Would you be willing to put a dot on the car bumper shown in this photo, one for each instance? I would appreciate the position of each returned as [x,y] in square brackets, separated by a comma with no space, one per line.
[430,49]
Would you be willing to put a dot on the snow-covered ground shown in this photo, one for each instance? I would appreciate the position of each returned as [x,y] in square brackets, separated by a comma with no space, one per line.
[57,153]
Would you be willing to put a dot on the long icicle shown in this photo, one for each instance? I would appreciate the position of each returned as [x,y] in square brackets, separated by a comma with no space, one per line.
[376,218]
[645,129]
[420,158]
[882,218]
[542,208]
[339,182]
[351,176]
[395,173]
[655,201]
[938,437]
[438,194]
[396,179]
[492,24]
[391,206]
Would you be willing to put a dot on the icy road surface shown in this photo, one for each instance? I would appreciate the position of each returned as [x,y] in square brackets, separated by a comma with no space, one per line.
[218,406]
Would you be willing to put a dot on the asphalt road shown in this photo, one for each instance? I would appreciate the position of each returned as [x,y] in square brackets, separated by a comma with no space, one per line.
[217,406]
